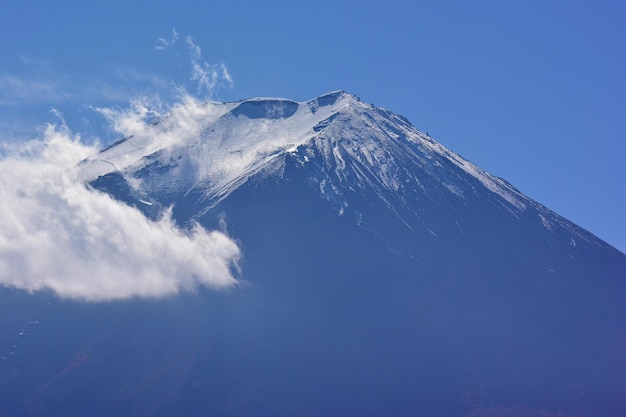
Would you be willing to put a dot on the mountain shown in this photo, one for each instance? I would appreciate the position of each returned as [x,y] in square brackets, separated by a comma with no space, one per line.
[382,275]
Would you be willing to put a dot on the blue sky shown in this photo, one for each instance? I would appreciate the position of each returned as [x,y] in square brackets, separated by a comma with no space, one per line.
[533,91]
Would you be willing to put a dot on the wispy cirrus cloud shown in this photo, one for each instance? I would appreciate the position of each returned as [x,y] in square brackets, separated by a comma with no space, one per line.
[121,85]
[28,94]
[37,82]
[209,77]
[163,43]
[19,90]
[58,234]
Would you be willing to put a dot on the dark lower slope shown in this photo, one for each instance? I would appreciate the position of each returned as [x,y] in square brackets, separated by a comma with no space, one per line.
[355,314]
[489,311]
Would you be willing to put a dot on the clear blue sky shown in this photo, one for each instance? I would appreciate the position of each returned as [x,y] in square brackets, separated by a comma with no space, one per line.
[533,91]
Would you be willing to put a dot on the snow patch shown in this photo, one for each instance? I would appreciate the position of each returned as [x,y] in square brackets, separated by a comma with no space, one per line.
[545,222]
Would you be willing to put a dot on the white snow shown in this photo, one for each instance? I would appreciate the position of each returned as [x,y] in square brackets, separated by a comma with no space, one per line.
[545,222]
[211,147]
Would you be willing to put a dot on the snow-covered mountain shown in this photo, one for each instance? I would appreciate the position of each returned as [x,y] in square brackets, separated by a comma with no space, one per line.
[349,147]
[383,275]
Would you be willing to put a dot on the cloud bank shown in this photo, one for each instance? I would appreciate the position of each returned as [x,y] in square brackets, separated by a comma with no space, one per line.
[57,234]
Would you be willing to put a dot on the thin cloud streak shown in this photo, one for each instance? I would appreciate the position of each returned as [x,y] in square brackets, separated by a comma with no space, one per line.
[163,43]
[208,77]
[39,83]
[62,88]
[16,90]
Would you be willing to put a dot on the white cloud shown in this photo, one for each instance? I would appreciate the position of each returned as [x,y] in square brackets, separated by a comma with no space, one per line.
[207,76]
[57,234]
[179,123]
[226,74]
[165,42]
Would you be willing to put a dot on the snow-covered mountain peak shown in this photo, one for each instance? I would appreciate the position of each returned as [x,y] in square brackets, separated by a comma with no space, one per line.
[214,145]
[347,148]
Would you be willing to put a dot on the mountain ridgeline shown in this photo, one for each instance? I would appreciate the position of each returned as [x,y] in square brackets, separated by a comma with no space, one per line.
[382,275]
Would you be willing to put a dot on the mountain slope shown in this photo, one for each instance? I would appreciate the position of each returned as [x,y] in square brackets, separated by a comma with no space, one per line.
[352,144]
[382,275]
